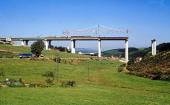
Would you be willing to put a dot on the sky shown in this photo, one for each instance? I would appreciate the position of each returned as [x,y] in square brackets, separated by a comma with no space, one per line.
[145,19]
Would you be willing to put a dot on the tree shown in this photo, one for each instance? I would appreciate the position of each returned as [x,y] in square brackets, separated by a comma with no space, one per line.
[163,47]
[37,47]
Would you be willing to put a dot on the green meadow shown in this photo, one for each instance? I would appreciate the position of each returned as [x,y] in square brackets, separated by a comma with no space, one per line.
[97,83]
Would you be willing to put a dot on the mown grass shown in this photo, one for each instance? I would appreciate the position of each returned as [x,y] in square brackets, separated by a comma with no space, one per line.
[106,85]
[82,95]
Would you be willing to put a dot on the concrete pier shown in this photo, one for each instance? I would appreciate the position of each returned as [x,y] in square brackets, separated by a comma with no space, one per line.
[126,51]
[49,43]
[153,45]
[46,44]
[99,48]
[73,49]
[26,42]
[22,43]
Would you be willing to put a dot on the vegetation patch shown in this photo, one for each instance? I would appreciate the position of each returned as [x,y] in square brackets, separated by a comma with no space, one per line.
[122,68]
[68,83]
[12,83]
[7,54]
[153,67]
[49,77]
[2,72]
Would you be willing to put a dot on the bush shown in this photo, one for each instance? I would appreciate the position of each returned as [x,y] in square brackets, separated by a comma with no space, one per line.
[49,81]
[121,67]
[69,83]
[60,48]
[58,60]
[14,83]
[49,77]
[37,47]
[49,74]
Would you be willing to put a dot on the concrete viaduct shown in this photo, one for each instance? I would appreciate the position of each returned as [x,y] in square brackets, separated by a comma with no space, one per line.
[73,39]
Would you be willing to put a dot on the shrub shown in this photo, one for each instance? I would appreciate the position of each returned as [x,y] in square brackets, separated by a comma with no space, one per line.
[121,67]
[37,47]
[68,83]
[49,74]
[58,60]
[49,77]
[60,48]
[49,81]
[14,83]
[34,85]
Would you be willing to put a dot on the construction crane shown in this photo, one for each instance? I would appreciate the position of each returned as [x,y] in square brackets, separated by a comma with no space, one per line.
[98,30]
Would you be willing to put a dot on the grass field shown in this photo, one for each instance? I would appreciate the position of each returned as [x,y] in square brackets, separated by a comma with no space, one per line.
[105,87]
[46,53]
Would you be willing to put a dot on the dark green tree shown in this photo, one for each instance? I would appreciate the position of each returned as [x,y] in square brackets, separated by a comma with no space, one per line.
[37,47]
[163,47]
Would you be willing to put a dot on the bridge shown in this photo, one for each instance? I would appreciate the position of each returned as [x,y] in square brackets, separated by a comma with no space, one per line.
[75,35]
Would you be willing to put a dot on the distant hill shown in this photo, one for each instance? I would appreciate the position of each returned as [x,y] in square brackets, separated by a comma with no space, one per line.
[136,52]
[133,52]
[86,50]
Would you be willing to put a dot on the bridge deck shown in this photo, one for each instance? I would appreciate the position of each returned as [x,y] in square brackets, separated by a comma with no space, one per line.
[68,38]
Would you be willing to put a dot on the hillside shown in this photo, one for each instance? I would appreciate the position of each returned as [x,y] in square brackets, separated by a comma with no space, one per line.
[136,52]
[14,50]
[97,83]
[154,67]
[133,52]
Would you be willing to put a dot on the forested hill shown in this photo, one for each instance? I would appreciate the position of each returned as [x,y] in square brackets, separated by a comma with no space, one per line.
[133,52]
[136,52]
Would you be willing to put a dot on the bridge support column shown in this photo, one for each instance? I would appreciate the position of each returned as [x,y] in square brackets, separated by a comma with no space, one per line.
[22,43]
[153,44]
[126,51]
[73,45]
[8,39]
[26,42]
[99,48]
[49,43]
[46,44]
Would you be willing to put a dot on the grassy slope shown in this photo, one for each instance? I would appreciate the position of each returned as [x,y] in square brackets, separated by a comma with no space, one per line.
[47,53]
[154,67]
[106,85]
[5,54]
